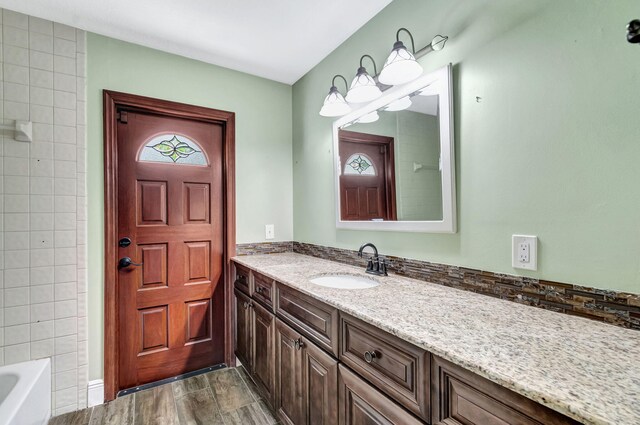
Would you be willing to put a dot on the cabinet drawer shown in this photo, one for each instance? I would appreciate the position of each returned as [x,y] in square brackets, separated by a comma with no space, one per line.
[263,289]
[360,403]
[396,367]
[243,279]
[314,319]
[461,397]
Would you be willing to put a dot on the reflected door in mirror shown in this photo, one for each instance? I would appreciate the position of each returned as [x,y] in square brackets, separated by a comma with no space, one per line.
[367,178]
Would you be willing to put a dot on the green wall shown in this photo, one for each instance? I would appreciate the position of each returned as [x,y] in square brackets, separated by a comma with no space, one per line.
[263,144]
[546,136]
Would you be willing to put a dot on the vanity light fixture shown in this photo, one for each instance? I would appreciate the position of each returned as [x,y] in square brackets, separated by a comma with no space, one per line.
[370,117]
[633,31]
[399,105]
[401,66]
[363,87]
[334,104]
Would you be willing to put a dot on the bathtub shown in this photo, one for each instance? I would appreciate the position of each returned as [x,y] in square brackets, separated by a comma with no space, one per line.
[25,393]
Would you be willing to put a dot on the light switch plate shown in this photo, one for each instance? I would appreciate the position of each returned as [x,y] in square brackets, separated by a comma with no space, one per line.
[524,252]
[269,231]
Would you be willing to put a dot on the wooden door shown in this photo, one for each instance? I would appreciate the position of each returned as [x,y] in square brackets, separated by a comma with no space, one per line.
[288,391]
[170,221]
[243,330]
[362,404]
[320,386]
[367,177]
[263,350]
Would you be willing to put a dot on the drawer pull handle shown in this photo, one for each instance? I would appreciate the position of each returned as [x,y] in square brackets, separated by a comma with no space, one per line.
[369,356]
[298,344]
[246,305]
[259,289]
[241,280]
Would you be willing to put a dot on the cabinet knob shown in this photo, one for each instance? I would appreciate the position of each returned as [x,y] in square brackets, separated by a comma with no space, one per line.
[245,305]
[259,289]
[241,279]
[369,356]
[298,344]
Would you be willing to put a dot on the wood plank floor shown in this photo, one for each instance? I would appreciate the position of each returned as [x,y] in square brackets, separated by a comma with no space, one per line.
[222,397]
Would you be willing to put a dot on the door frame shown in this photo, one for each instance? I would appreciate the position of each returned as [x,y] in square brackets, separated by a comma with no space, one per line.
[389,166]
[113,100]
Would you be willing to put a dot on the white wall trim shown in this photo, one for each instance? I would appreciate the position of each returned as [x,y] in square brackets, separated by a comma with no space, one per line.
[95,393]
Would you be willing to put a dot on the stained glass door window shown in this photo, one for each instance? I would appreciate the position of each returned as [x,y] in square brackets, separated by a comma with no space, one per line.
[359,164]
[172,149]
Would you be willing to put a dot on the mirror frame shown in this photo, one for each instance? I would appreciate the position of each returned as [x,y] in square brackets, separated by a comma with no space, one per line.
[441,81]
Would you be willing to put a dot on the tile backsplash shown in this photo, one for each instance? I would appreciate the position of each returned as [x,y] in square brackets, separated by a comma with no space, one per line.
[43,281]
[617,308]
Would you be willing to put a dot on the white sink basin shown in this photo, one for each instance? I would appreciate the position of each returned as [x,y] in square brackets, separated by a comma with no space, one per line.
[344,281]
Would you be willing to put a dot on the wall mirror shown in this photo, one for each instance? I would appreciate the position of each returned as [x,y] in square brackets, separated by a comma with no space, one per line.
[394,160]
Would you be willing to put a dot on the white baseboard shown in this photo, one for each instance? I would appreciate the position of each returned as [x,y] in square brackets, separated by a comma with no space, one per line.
[95,393]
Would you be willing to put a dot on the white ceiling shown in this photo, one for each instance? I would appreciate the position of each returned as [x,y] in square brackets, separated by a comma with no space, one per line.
[276,39]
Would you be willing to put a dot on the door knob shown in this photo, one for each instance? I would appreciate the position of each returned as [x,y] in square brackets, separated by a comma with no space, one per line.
[126,262]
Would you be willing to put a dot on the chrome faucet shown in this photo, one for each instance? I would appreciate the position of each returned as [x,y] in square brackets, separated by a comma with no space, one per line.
[377,264]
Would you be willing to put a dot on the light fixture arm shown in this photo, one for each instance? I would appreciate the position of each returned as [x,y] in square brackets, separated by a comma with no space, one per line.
[346,84]
[413,45]
[430,47]
[375,68]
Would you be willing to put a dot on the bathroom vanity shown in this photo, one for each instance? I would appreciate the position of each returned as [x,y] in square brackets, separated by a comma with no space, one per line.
[411,352]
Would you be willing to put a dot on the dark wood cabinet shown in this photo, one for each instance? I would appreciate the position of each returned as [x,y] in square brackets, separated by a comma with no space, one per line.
[243,279]
[243,329]
[362,404]
[263,350]
[379,379]
[306,380]
[316,320]
[396,367]
[263,290]
[461,397]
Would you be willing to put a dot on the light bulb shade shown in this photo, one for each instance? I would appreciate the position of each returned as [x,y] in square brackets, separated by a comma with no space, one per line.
[399,105]
[363,88]
[370,117]
[400,67]
[334,104]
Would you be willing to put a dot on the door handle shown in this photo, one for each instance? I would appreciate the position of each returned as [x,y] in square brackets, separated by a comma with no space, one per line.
[126,262]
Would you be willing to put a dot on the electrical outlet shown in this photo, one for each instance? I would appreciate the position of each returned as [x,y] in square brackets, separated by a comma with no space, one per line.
[269,231]
[524,252]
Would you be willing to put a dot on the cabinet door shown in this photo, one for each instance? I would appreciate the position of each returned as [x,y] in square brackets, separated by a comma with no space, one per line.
[461,397]
[263,350]
[288,390]
[320,385]
[362,404]
[243,329]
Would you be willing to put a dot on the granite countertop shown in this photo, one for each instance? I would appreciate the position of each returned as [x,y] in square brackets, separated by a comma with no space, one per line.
[587,370]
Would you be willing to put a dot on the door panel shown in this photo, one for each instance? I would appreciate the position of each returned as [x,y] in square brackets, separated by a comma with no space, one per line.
[171,307]
[362,404]
[320,375]
[243,329]
[263,350]
[154,265]
[288,394]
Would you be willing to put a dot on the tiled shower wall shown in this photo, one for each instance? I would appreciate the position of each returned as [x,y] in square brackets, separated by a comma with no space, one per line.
[43,238]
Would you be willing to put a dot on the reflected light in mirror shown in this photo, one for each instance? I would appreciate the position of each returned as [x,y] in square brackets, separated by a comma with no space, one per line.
[399,105]
[370,117]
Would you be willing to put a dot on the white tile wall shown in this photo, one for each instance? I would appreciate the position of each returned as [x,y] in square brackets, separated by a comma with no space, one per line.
[42,202]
